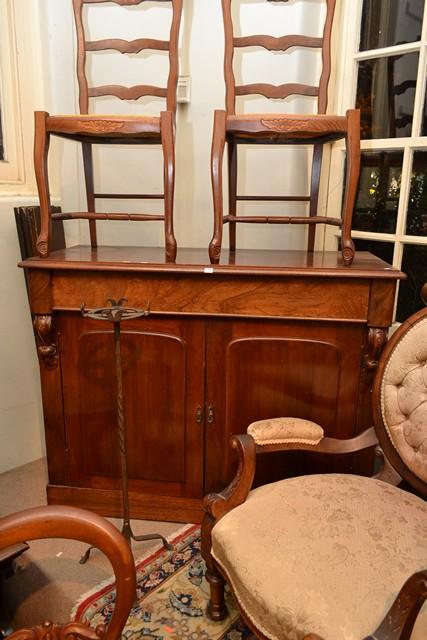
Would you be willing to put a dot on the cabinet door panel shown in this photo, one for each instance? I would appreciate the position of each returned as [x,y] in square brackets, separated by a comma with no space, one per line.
[269,369]
[162,385]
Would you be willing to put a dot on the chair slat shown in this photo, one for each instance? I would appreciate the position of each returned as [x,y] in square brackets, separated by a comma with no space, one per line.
[336,222]
[83,215]
[122,3]
[129,196]
[127,93]
[278,44]
[127,46]
[273,198]
[277,91]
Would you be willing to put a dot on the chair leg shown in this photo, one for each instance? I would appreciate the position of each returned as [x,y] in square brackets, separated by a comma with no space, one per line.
[232,191]
[216,609]
[90,189]
[218,144]
[41,150]
[352,180]
[167,133]
[314,193]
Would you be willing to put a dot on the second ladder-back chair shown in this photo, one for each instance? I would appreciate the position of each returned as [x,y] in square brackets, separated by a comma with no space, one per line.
[281,128]
[92,129]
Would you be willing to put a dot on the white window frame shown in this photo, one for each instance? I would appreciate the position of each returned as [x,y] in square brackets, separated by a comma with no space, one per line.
[22,89]
[349,56]
[11,168]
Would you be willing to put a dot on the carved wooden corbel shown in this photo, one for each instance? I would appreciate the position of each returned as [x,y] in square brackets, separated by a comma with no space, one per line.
[377,338]
[45,340]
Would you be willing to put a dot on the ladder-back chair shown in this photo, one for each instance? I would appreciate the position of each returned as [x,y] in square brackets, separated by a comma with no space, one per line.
[92,129]
[281,128]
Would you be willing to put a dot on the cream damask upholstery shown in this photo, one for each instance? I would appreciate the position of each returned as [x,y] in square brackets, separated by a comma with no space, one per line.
[323,554]
[404,398]
[285,430]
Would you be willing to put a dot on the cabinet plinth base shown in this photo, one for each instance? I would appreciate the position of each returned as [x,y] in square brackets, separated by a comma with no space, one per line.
[142,506]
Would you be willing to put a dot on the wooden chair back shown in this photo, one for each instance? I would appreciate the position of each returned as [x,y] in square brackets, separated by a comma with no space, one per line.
[76,524]
[399,400]
[125,46]
[276,44]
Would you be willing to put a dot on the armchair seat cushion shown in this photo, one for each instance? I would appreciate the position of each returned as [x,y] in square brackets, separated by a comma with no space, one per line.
[323,554]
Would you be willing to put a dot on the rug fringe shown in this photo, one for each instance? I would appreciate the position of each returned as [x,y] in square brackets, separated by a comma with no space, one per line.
[108,582]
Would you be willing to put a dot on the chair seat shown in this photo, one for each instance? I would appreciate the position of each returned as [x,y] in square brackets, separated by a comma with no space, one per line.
[285,127]
[323,554]
[105,126]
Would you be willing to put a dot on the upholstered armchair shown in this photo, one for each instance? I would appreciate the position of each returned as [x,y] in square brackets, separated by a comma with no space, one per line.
[331,556]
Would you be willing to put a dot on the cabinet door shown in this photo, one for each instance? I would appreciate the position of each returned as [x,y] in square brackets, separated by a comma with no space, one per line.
[260,369]
[163,384]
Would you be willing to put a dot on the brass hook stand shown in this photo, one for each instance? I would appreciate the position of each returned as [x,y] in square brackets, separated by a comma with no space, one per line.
[115,314]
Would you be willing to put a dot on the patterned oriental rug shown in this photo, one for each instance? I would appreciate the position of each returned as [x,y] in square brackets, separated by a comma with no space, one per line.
[172,594]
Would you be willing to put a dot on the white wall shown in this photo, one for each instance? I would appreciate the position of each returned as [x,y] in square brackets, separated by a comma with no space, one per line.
[45,31]
[21,423]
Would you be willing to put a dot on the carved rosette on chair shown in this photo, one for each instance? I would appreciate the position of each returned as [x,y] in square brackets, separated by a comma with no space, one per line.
[90,129]
[317,130]
[332,555]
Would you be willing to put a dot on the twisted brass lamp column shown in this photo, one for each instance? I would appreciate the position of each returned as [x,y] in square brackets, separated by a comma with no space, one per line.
[115,313]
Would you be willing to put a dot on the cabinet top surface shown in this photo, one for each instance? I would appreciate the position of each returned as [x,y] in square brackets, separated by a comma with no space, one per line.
[242,262]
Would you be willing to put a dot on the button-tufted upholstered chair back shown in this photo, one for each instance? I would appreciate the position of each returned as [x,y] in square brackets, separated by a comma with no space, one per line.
[400,401]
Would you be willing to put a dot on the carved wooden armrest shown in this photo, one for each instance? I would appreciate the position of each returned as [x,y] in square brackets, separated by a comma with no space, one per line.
[400,618]
[218,504]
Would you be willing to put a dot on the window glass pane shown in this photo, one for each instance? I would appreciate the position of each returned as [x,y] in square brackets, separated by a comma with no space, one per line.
[383,250]
[1,139]
[416,221]
[414,264]
[377,198]
[424,121]
[385,95]
[389,22]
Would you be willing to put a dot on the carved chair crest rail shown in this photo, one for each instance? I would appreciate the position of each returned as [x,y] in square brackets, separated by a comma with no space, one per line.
[85,526]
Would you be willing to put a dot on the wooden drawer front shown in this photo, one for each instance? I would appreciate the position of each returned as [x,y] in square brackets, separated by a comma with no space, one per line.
[320,298]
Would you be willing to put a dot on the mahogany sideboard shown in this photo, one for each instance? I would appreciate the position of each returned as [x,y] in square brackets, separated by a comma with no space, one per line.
[262,334]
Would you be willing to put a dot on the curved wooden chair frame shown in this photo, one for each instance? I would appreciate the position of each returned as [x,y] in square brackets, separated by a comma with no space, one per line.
[317,130]
[96,129]
[401,617]
[76,524]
